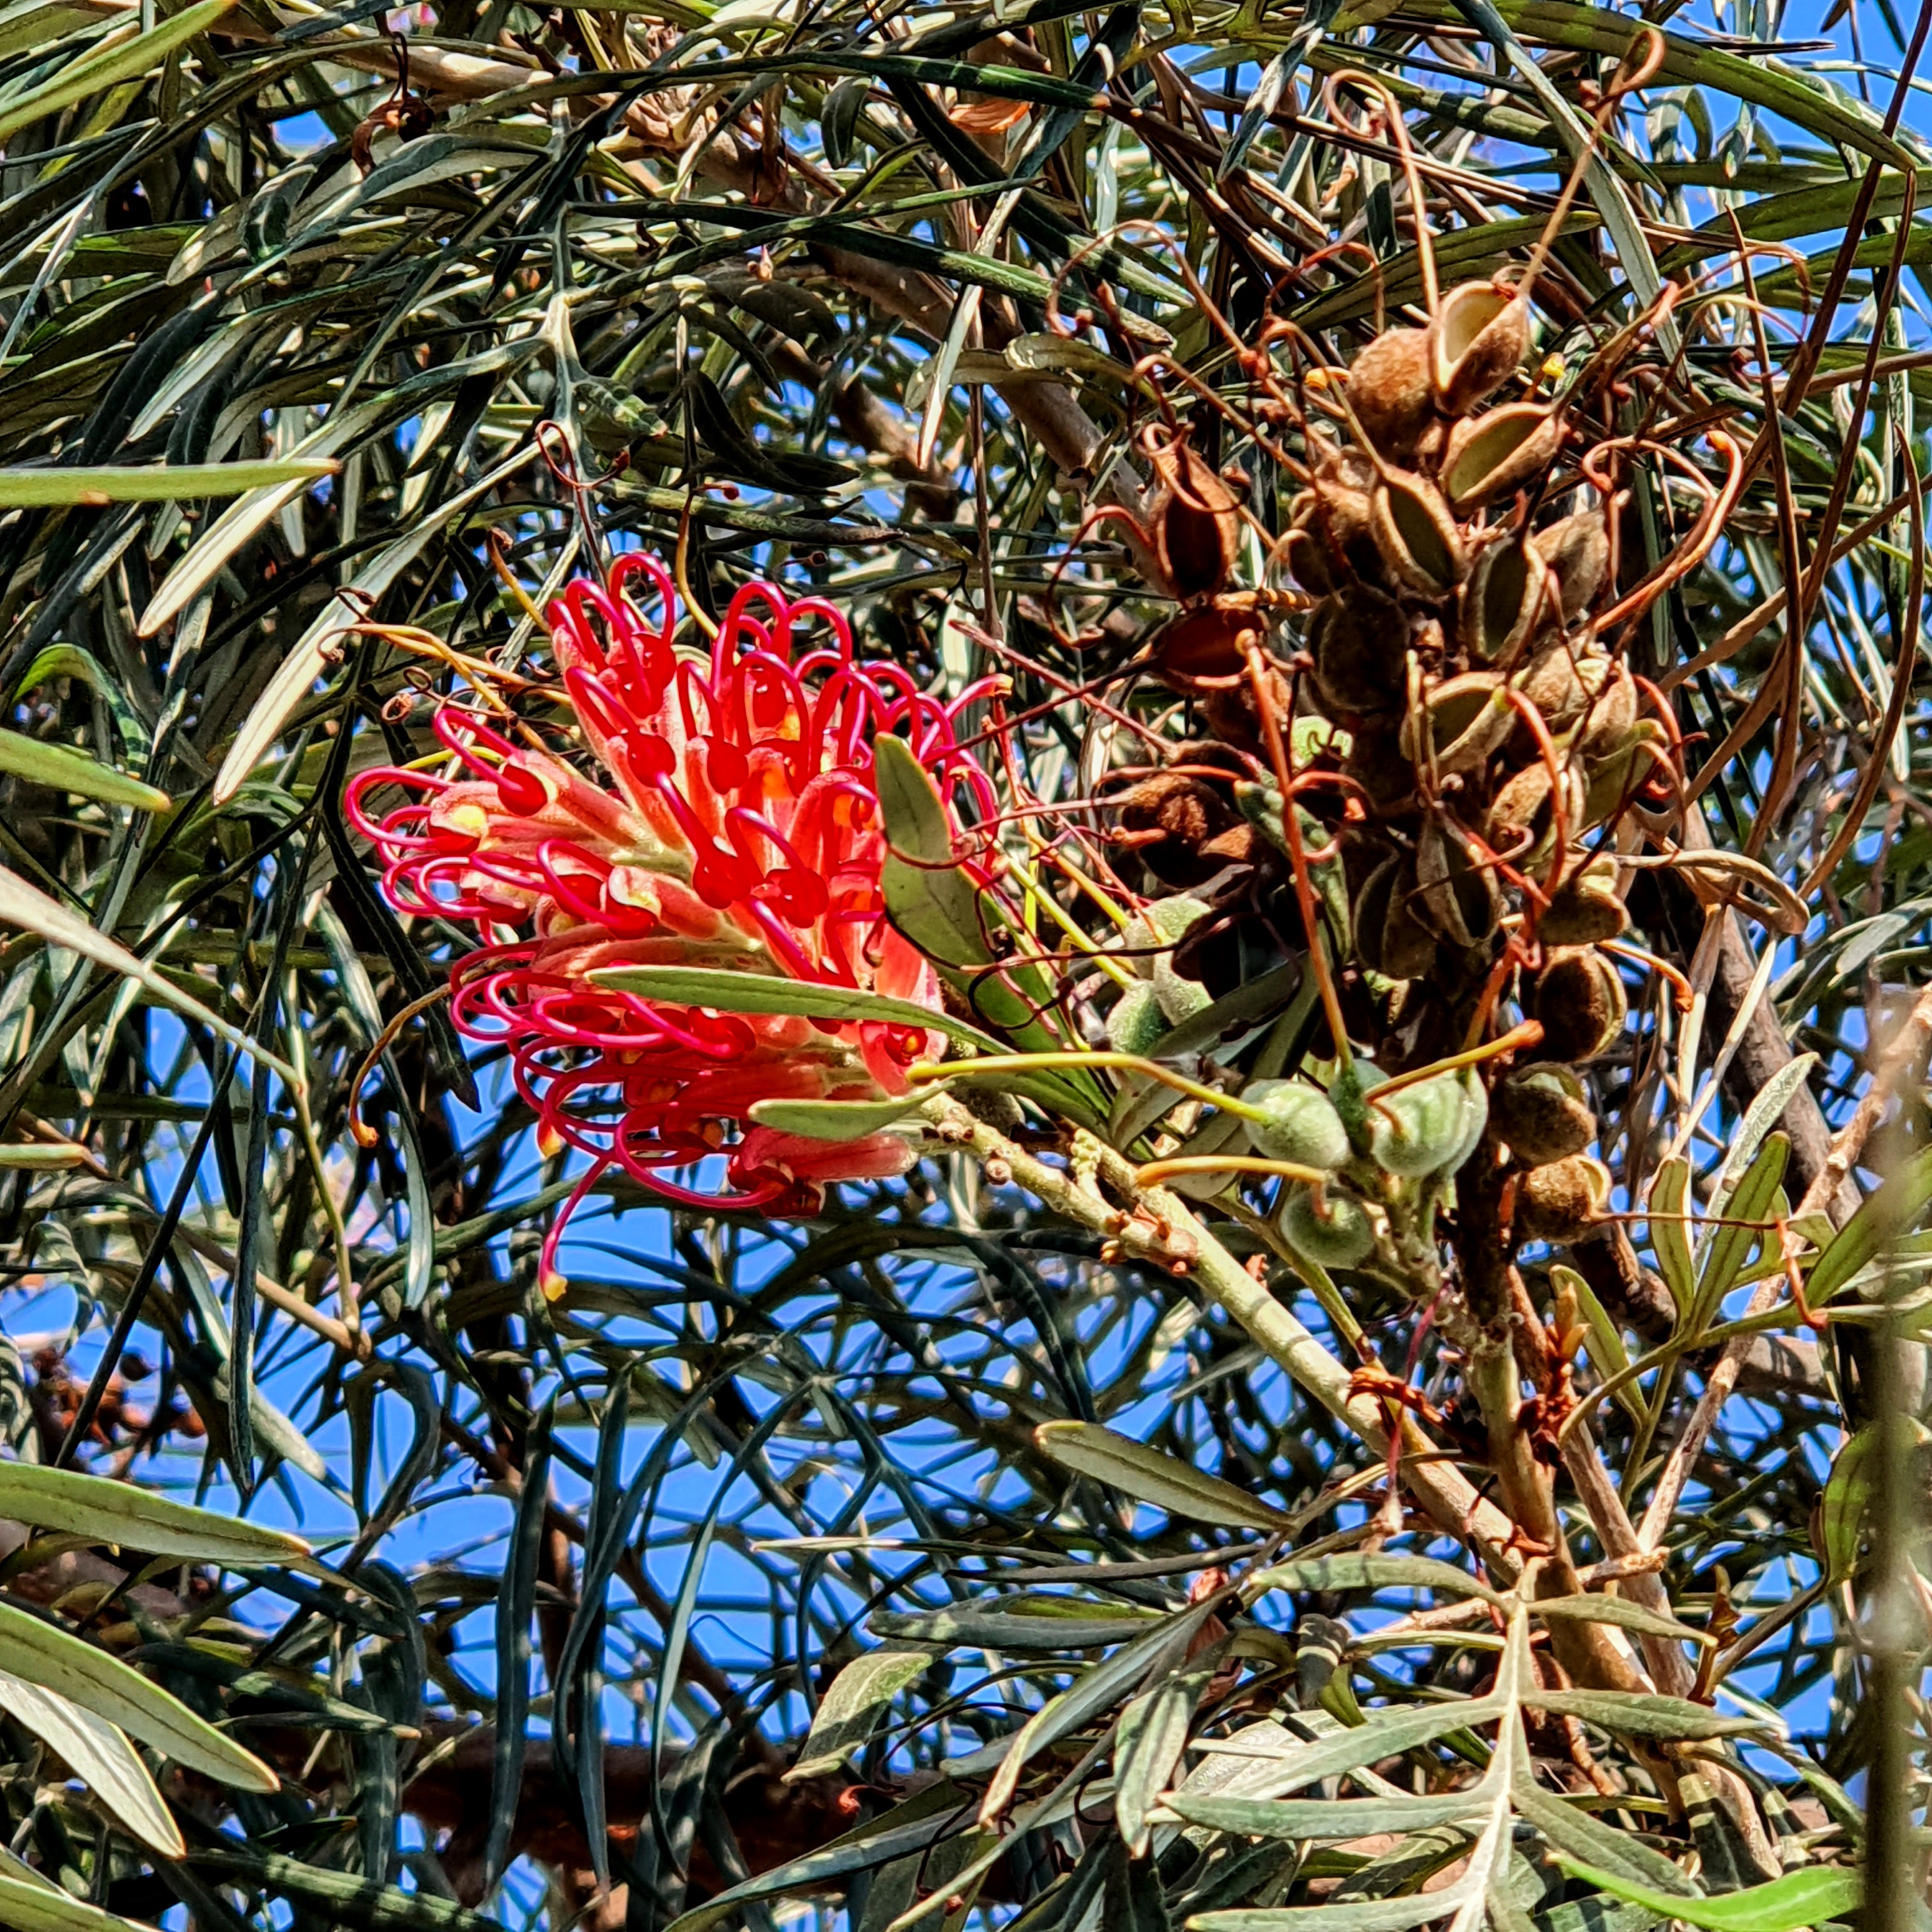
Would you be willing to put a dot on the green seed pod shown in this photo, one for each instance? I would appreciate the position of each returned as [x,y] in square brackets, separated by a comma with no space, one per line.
[1430,1128]
[1542,1114]
[1580,999]
[1563,1201]
[1137,1023]
[1179,999]
[1302,1124]
[1334,1229]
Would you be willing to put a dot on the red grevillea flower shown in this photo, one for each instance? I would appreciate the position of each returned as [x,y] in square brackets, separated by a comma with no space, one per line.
[734,823]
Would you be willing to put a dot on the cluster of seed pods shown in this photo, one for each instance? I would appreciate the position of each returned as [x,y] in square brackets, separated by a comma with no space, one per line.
[1447,678]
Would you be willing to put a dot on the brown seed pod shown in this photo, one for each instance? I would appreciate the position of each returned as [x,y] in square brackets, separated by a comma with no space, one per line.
[1577,550]
[1580,999]
[1390,937]
[1459,899]
[1510,597]
[1359,640]
[1612,710]
[1195,521]
[1388,390]
[1479,337]
[1585,907]
[1170,817]
[1540,1111]
[1467,717]
[1616,771]
[1489,456]
[1416,538]
[1229,711]
[1211,642]
[1521,823]
[1308,558]
[1563,1201]
[1378,761]
[1561,680]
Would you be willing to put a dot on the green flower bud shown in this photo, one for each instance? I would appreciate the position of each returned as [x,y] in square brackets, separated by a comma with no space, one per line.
[1302,1124]
[1137,1023]
[1332,1229]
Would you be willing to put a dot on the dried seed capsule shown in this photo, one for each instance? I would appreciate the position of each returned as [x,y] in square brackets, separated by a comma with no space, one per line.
[1359,640]
[1489,456]
[1510,597]
[1540,1111]
[1388,390]
[1390,938]
[1430,1128]
[1479,337]
[1417,538]
[1615,772]
[1612,710]
[1211,642]
[1197,524]
[1563,1201]
[1378,761]
[1170,818]
[1580,1001]
[1585,907]
[1468,717]
[1231,713]
[1521,823]
[1302,1124]
[1577,550]
[1561,680]
[1137,1023]
[1459,899]
[1330,1226]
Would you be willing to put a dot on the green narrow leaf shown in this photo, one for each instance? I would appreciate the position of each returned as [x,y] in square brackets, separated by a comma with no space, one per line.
[1608,1355]
[1881,1217]
[1730,1244]
[99,1754]
[1148,1747]
[1669,1236]
[1352,1572]
[30,910]
[1151,1476]
[25,1906]
[1593,1608]
[840,1120]
[516,1604]
[117,1512]
[89,78]
[850,1710]
[1335,1819]
[1787,1904]
[106,1686]
[60,768]
[1638,1714]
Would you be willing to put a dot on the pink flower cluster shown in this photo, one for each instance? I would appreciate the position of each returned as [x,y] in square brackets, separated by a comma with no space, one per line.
[734,823]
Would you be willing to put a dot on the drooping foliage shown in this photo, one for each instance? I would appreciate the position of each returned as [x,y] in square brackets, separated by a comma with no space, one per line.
[970,957]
